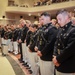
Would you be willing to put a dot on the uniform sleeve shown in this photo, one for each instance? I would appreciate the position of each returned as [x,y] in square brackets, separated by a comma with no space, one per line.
[28,38]
[19,34]
[55,52]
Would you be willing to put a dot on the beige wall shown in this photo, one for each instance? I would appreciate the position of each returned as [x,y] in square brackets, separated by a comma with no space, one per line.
[3,5]
[14,18]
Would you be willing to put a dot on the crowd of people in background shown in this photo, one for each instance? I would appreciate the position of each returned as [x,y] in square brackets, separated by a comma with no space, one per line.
[37,3]
[36,43]
[47,2]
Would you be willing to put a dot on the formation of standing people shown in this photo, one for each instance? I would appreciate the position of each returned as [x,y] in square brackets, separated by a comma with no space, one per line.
[45,48]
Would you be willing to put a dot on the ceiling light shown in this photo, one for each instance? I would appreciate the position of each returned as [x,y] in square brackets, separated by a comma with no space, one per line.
[29,14]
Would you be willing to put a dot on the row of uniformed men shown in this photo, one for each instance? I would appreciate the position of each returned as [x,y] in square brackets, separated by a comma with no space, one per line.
[31,41]
[48,43]
[37,45]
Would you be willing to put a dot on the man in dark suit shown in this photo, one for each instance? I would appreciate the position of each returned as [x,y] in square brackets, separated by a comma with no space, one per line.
[22,36]
[47,36]
[64,50]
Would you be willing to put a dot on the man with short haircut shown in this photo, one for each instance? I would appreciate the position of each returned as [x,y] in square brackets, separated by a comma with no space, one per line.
[64,50]
[47,36]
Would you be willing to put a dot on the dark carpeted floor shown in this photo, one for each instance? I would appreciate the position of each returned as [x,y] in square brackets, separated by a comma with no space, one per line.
[15,66]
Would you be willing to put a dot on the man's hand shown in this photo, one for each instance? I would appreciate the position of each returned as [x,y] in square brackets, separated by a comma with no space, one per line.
[36,48]
[28,46]
[30,50]
[55,61]
[39,53]
[20,41]
[24,41]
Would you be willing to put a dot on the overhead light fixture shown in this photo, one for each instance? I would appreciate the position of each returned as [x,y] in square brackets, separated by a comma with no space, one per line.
[29,14]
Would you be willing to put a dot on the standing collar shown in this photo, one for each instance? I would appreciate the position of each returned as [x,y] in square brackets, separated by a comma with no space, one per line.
[48,24]
[66,26]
